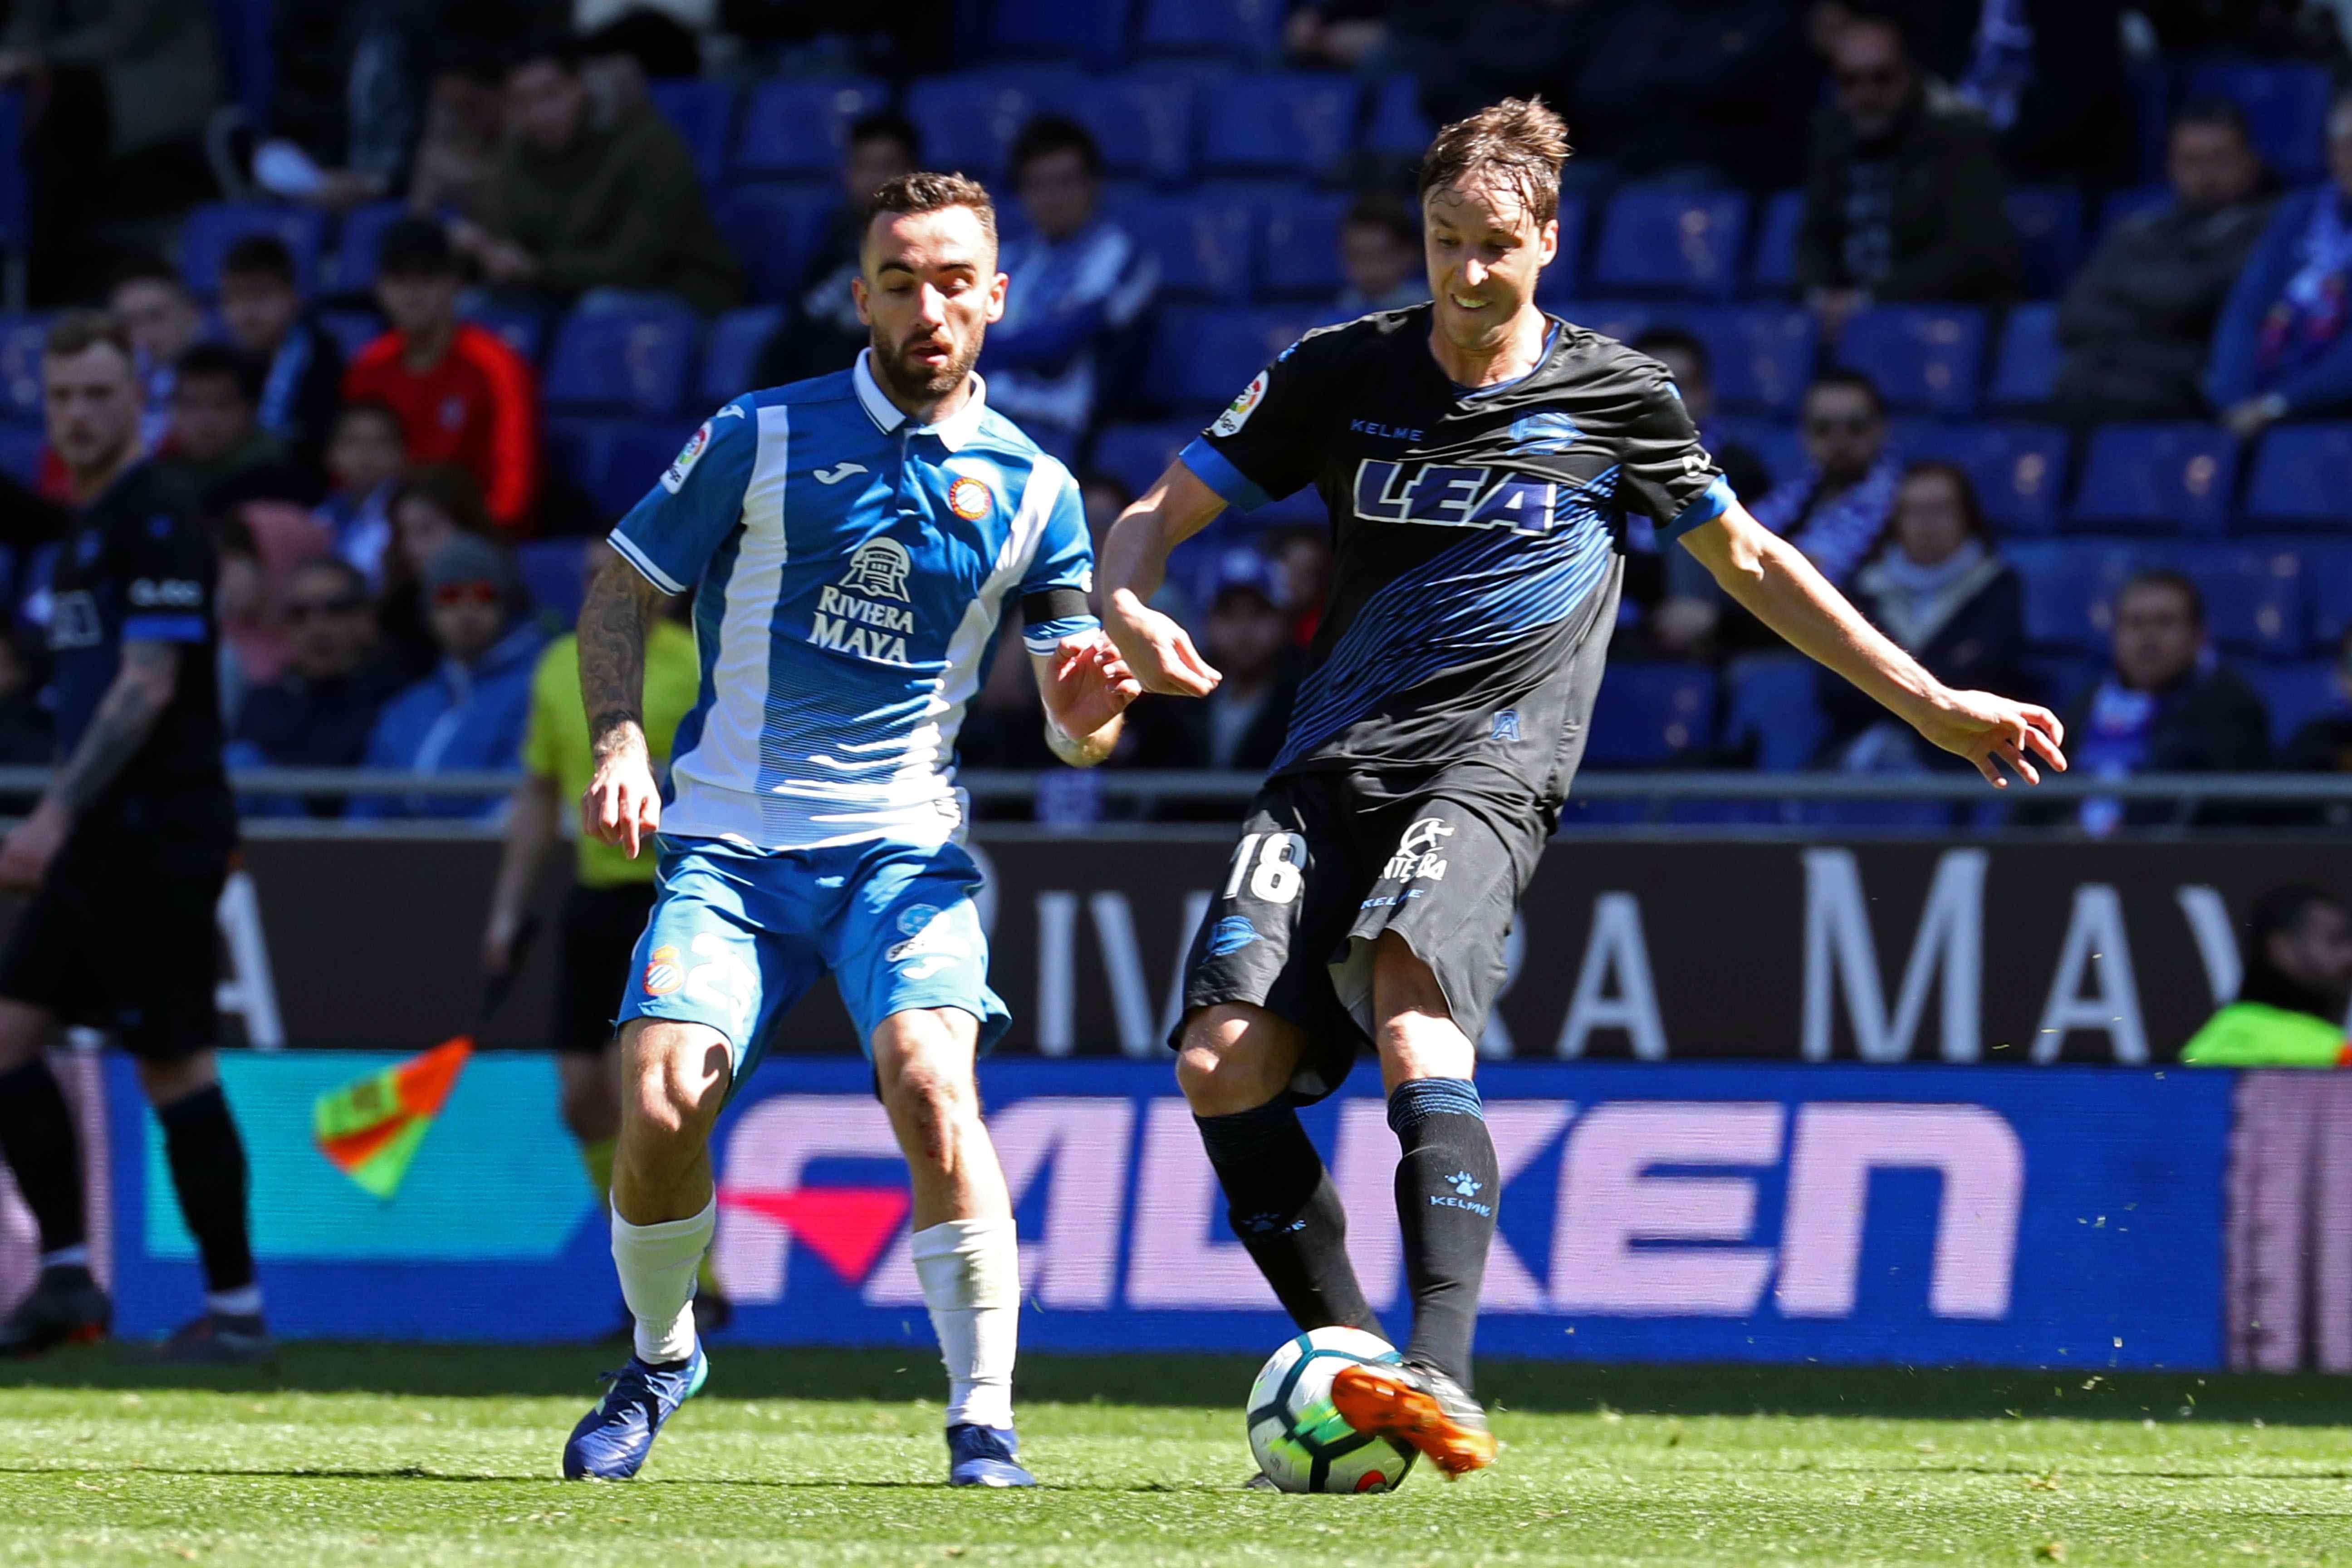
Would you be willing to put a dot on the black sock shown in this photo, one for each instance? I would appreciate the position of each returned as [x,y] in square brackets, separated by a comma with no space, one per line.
[38,1140]
[1283,1207]
[1445,1204]
[207,1164]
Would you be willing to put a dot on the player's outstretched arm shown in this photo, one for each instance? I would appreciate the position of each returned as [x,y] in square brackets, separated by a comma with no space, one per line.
[142,688]
[1780,588]
[623,804]
[1134,560]
[1087,688]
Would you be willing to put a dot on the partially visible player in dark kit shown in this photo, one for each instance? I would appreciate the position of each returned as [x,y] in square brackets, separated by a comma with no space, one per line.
[1478,458]
[124,857]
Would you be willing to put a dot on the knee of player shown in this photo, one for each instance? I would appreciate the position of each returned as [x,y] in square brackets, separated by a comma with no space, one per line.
[675,1082]
[1215,1079]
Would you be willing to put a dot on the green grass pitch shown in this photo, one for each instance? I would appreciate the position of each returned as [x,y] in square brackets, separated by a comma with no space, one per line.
[381,1455]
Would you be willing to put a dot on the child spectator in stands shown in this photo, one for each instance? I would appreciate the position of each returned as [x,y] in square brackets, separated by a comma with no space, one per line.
[2168,705]
[2282,347]
[1904,198]
[216,443]
[155,307]
[319,709]
[429,506]
[303,379]
[469,712]
[1836,510]
[1083,286]
[821,333]
[1380,256]
[1937,588]
[2139,319]
[596,214]
[463,395]
[1241,724]
[364,461]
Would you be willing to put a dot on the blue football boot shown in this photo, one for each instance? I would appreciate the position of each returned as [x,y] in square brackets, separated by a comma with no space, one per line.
[983,1457]
[612,1441]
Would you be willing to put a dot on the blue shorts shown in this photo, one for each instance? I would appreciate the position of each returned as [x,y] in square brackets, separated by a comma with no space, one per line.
[738,935]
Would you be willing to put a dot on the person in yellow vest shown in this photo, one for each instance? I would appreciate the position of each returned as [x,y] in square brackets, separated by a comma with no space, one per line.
[605,908]
[2290,1008]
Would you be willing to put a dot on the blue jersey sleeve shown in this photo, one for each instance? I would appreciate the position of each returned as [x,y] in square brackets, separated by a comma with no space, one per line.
[1061,573]
[672,533]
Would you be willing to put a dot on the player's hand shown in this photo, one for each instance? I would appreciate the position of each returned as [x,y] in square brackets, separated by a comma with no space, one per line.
[1092,685]
[1159,651]
[31,845]
[1994,732]
[623,804]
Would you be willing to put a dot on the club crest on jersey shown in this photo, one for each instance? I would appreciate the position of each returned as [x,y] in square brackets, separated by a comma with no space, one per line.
[1237,413]
[1543,434]
[969,500]
[664,973]
[879,568]
[689,455]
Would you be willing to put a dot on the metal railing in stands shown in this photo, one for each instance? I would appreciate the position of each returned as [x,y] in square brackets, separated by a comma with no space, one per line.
[994,786]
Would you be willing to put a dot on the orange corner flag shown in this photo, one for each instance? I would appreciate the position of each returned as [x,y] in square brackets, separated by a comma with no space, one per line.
[371,1127]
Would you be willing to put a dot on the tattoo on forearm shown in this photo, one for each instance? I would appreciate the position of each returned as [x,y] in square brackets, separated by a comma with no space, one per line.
[126,716]
[621,604]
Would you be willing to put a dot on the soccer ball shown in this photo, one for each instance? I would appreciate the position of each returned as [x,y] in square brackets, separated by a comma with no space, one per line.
[1299,1440]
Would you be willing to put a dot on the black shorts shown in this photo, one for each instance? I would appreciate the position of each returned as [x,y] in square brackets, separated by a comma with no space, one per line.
[129,943]
[598,937]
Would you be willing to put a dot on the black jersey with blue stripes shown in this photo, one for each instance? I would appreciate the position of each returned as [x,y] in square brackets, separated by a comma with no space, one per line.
[1470,528]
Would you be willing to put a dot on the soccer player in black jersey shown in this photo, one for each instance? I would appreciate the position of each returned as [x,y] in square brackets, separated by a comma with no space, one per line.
[1477,457]
[125,857]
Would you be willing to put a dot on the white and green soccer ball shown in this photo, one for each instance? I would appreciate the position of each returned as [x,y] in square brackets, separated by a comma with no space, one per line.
[1299,1440]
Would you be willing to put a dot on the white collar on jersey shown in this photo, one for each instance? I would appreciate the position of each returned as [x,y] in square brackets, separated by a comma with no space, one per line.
[954,432]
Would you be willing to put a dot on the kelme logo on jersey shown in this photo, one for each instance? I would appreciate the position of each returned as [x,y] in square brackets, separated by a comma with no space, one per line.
[1454,495]
[969,499]
[674,477]
[1237,413]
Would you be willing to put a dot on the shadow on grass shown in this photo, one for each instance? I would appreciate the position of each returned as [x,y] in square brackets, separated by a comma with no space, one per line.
[749,1373]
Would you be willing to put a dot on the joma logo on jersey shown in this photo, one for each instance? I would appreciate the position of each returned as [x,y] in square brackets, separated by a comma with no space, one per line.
[1452,496]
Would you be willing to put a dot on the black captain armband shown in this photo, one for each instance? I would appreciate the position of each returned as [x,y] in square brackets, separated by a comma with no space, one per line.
[1052,605]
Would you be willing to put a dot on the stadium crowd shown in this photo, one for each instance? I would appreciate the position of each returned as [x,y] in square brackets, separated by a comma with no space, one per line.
[2030,321]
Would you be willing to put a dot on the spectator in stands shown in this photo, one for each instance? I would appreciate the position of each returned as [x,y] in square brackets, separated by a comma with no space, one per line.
[471,711]
[821,333]
[2048,76]
[364,460]
[1081,286]
[2139,319]
[429,506]
[1380,256]
[1904,198]
[602,214]
[1836,510]
[216,442]
[1692,367]
[1938,589]
[320,710]
[465,126]
[2282,347]
[302,381]
[164,323]
[2289,1009]
[463,395]
[1241,724]
[2168,705]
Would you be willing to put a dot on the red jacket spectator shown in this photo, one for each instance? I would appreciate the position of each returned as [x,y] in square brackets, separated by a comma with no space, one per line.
[477,406]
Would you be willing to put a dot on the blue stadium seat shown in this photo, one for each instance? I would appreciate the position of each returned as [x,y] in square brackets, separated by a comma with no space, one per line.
[2058,680]
[1205,245]
[352,329]
[20,452]
[1398,128]
[553,576]
[1135,455]
[2294,693]
[796,127]
[1247,30]
[730,356]
[2019,471]
[1762,354]
[1775,703]
[634,361]
[20,365]
[2286,107]
[1143,124]
[614,460]
[1776,445]
[2302,478]
[2025,366]
[1671,240]
[1302,245]
[358,242]
[2169,477]
[1648,715]
[775,230]
[2329,564]
[1094,31]
[1202,357]
[523,327]
[1774,270]
[1926,359]
[2118,205]
[2255,596]
[213,227]
[970,122]
[702,112]
[1293,123]
[2070,586]
[2048,222]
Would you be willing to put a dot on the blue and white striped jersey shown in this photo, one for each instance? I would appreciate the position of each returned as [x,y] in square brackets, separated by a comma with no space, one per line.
[850,570]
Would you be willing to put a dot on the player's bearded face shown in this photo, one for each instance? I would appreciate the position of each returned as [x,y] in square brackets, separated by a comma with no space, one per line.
[1484,250]
[93,406]
[931,290]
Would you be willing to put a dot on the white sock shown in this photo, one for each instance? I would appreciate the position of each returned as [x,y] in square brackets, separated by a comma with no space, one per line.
[656,1264]
[971,1270]
[76,1256]
[245,1302]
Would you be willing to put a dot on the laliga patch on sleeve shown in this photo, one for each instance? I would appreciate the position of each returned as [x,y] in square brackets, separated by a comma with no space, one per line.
[1237,413]
[690,454]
